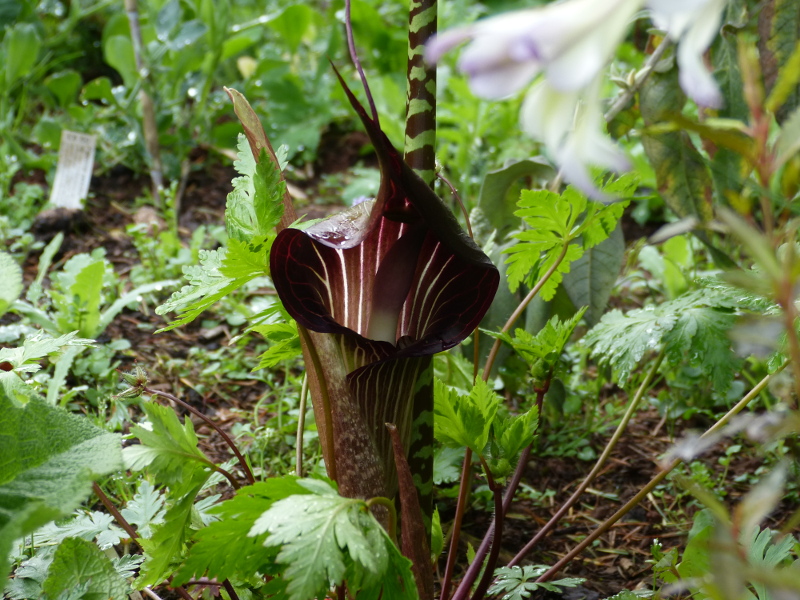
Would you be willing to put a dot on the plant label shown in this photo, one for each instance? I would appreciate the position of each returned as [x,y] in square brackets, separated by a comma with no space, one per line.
[74,170]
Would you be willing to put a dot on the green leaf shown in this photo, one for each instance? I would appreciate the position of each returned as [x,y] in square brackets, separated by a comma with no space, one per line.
[681,173]
[554,222]
[461,420]
[779,33]
[518,583]
[39,346]
[543,350]
[621,340]
[509,436]
[492,198]
[284,343]
[45,260]
[692,328]
[88,526]
[170,451]
[11,276]
[49,460]
[255,205]
[65,86]
[695,561]
[325,539]
[700,334]
[447,464]
[163,550]
[292,24]
[126,566]
[76,293]
[22,46]
[207,285]
[118,53]
[247,260]
[167,448]
[726,164]
[254,208]
[244,555]
[78,562]
[145,509]
[593,276]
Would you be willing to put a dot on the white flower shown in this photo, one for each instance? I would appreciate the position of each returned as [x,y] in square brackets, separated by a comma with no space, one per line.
[570,124]
[568,41]
[693,24]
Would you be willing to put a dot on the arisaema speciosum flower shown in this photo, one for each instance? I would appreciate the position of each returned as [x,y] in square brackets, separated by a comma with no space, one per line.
[391,281]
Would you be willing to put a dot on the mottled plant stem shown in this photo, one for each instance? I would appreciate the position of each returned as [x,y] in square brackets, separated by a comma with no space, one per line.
[242,462]
[601,461]
[420,130]
[608,523]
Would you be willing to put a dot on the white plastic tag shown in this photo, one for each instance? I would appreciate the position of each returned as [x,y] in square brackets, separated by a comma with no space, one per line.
[74,170]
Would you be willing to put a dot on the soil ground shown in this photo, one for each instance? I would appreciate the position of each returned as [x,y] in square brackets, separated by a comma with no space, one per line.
[618,559]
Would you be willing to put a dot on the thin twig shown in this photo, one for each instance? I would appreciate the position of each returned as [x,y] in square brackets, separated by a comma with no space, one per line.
[499,518]
[148,592]
[114,512]
[229,588]
[459,201]
[463,492]
[242,462]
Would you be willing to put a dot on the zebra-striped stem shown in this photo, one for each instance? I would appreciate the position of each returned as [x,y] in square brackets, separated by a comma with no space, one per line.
[420,135]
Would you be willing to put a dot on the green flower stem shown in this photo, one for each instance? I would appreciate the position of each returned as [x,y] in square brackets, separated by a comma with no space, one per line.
[608,523]
[601,461]
[324,394]
[242,462]
[389,505]
[519,310]
[301,425]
